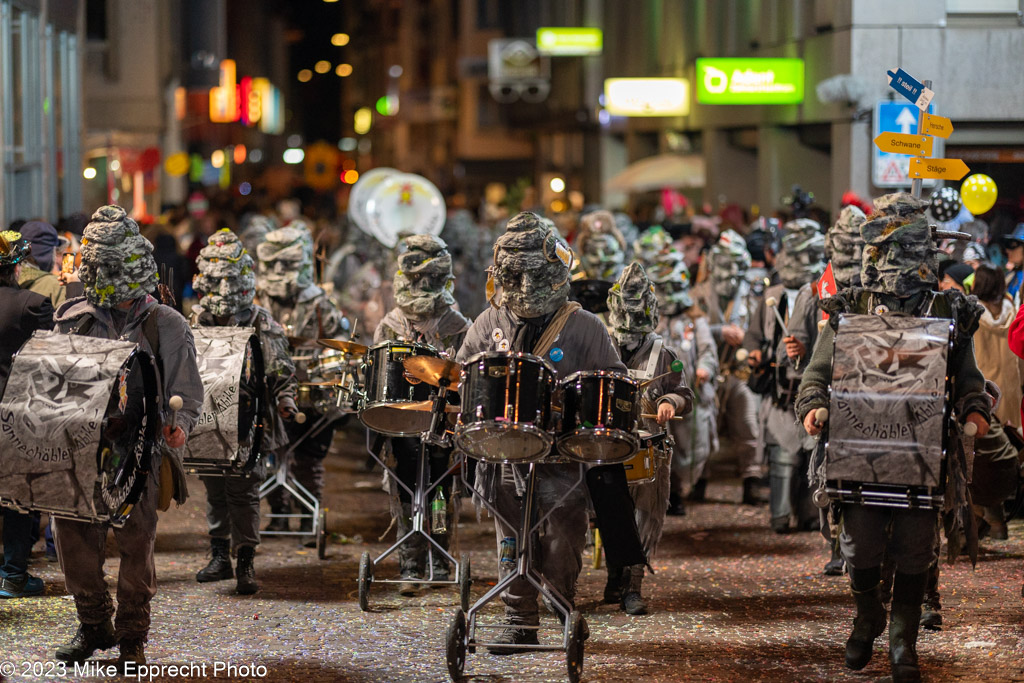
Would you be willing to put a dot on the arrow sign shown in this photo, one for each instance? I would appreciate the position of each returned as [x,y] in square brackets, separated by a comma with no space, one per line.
[947,169]
[935,125]
[899,143]
[912,89]
[906,120]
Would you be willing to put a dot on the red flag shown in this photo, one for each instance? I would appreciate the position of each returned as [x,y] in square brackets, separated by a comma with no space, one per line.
[826,286]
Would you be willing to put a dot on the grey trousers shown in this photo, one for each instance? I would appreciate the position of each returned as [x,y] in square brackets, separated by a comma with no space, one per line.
[904,538]
[81,549]
[559,555]
[737,421]
[233,509]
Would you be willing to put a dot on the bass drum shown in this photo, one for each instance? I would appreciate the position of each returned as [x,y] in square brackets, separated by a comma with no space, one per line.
[229,434]
[78,421]
[389,387]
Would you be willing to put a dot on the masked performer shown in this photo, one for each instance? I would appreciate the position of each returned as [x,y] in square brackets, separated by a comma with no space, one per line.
[784,442]
[424,313]
[118,272]
[285,286]
[897,277]
[633,317]
[601,246]
[226,283]
[726,299]
[686,331]
[531,264]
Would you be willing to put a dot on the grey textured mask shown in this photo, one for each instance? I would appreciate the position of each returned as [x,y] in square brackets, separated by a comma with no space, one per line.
[117,262]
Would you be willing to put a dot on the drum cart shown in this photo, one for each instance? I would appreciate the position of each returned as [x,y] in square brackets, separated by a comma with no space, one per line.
[462,637]
[434,436]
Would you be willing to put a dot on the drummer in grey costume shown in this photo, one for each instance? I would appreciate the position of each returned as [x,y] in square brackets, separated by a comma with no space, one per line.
[897,275]
[226,283]
[726,299]
[780,437]
[285,287]
[633,317]
[424,313]
[118,272]
[601,246]
[532,265]
[686,331]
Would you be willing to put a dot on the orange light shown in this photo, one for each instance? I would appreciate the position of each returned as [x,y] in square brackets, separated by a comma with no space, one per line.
[349,164]
[344,70]
[350,177]
[240,154]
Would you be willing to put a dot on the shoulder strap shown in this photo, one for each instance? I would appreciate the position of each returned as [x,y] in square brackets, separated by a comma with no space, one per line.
[85,326]
[554,328]
[151,332]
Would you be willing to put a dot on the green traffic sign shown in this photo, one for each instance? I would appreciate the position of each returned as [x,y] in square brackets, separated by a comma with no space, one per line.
[750,80]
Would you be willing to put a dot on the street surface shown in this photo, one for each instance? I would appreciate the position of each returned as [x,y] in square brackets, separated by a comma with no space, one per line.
[731,601]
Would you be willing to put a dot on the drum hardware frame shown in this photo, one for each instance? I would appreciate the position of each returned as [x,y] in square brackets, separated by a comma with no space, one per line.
[461,635]
[420,510]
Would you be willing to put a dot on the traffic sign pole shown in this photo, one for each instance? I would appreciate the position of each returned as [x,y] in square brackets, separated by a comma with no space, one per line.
[915,184]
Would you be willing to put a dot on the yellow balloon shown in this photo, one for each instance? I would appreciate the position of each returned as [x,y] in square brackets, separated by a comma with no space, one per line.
[978,193]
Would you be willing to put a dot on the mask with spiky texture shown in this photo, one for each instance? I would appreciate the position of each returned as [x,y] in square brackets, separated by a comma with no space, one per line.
[803,253]
[729,261]
[844,246]
[900,256]
[632,306]
[532,263]
[286,263]
[424,281]
[225,281]
[117,262]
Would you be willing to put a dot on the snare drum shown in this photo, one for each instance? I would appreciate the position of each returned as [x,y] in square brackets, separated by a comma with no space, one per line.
[78,422]
[600,411]
[642,468]
[388,387]
[229,433]
[506,407]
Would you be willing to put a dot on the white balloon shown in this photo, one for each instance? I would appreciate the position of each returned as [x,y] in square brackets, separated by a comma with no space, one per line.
[361,191]
[405,203]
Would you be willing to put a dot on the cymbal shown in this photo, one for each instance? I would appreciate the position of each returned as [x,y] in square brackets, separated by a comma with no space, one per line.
[432,370]
[298,342]
[342,345]
[424,406]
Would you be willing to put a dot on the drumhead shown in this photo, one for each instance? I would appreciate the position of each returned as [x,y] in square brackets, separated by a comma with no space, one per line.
[598,446]
[388,418]
[503,443]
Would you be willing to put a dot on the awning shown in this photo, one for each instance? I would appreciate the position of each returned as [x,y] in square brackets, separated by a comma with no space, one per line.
[665,170]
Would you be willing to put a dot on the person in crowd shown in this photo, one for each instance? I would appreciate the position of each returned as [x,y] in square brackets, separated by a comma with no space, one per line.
[898,276]
[226,284]
[118,272]
[39,272]
[601,246]
[953,275]
[632,318]
[425,314]
[533,315]
[1014,245]
[763,244]
[726,300]
[21,313]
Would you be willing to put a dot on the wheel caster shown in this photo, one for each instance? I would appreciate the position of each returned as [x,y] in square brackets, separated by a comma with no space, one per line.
[365,579]
[465,580]
[321,537]
[574,648]
[455,645]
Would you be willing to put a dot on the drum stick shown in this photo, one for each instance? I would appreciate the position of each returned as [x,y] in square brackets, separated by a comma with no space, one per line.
[654,416]
[773,303]
[821,416]
[741,355]
[970,431]
[175,405]
[300,417]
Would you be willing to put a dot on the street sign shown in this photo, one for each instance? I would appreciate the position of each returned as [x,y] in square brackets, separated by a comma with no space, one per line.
[947,169]
[750,80]
[891,169]
[647,96]
[939,126]
[909,87]
[898,143]
[569,42]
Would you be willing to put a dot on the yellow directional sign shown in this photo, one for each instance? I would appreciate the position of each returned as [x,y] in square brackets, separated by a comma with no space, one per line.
[947,169]
[902,143]
[939,126]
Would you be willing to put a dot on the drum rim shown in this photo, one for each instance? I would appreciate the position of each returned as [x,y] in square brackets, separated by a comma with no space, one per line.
[390,404]
[614,374]
[461,430]
[393,342]
[476,357]
[604,432]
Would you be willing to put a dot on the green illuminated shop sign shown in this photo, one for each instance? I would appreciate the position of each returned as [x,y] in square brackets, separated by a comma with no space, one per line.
[569,42]
[750,81]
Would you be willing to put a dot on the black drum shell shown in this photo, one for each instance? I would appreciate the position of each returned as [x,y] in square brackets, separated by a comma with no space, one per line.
[388,384]
[600,412]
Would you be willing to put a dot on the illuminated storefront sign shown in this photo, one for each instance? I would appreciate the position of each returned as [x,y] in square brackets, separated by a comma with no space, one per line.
[569,42]
[224,97]
[750,81]
[647,96]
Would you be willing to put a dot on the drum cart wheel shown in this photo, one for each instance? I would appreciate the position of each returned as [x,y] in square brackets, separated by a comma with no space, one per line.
[365,579]
[574,647]
[465,581]
[321,535]
[455,645]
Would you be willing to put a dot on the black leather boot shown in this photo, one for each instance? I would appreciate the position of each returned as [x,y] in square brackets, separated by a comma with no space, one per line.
[931,613]
[513,636]
[245,573]
[907,594]
[870,620]
[88,639]
[132,650]
[676,507]
[632,584]
[613,586]
[219,567]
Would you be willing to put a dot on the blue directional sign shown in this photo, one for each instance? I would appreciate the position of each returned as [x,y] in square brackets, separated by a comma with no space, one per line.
[889,169]
[909,87]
